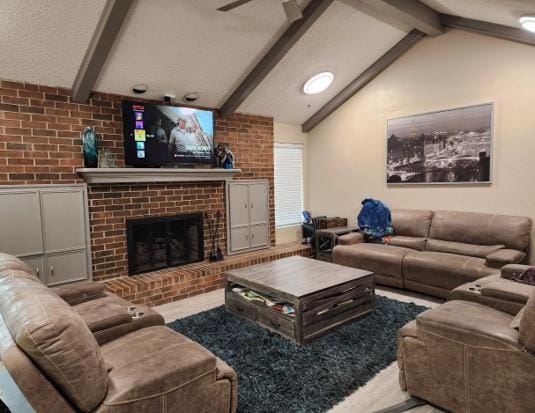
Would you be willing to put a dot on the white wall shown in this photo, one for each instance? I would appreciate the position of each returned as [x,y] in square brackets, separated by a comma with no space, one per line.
[286,133]
[452,70]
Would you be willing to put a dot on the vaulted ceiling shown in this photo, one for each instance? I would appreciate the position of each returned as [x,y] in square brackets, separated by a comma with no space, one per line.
[181,46]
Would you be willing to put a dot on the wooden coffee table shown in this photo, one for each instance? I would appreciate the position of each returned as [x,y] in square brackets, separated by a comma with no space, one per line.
[324,295]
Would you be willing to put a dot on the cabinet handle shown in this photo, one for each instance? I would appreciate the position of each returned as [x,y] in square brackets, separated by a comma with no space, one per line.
[37,270]
[252,235]
[51,270]
[245,204]
[252,205]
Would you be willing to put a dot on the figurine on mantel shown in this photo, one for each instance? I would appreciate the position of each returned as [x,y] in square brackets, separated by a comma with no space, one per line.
[224,156]
[90,148]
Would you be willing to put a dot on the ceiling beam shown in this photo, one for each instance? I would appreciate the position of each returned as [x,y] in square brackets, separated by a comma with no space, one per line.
[403,14]
[489,29]
[363,79]
[106,32]
[288,39]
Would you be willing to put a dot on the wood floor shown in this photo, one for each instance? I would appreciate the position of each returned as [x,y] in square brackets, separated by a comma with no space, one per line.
[380,392]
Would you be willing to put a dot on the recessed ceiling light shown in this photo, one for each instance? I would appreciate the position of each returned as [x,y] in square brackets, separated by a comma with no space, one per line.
[318,83]
[528,23]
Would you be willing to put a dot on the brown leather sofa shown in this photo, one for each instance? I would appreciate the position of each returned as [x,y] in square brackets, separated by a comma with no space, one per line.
[497,291]
[433,252]
[54,358]
[465,357]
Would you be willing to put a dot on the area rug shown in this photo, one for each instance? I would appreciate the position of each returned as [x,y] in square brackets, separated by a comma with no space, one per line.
[275,375]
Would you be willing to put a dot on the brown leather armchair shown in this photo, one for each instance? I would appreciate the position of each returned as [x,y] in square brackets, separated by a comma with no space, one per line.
[466,357]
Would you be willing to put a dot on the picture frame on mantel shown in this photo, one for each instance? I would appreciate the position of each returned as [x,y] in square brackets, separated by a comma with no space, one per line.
[451,146]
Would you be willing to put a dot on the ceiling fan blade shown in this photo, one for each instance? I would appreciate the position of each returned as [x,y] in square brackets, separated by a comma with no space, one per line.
[233,5]
[292,10]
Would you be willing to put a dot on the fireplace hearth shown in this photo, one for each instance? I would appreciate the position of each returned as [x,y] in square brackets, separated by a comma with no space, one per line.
[161,242]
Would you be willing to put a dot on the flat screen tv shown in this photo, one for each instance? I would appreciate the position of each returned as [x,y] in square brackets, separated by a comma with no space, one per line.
[160,135]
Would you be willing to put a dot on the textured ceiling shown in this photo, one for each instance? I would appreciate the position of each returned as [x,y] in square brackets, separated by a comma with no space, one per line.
[184,46]
[505,12]
[343,41]
[180,46]
[44,41]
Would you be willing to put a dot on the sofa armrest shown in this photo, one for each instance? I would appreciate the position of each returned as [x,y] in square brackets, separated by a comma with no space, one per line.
[350,239]
[471,324]
[79,292]
[512,270]
[499,258]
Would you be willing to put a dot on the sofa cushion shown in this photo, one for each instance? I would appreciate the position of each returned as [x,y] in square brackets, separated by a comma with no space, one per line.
[443,270]
[461,248]
[79,292]
[157,361]
[350,239]
[481,229]
[10,262]
[416,243]
[411,222]
[55,338]
[499,258]
[377,258]
[527,324]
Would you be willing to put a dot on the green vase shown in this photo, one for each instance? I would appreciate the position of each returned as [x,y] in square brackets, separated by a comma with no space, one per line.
[89,143]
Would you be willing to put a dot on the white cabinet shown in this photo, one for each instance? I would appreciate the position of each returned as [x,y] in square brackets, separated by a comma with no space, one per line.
[247,215]
[47,227]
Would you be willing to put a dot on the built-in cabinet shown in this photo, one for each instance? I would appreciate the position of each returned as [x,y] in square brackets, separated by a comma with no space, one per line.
[47,227]
[247,215]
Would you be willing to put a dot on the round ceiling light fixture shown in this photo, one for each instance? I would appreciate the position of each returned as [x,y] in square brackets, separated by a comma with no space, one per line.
[528,23]
[318,83]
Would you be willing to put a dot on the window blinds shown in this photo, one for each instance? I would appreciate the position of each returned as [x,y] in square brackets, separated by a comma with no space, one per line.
[288,184]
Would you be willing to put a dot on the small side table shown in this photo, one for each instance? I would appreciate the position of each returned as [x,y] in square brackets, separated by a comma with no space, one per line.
[325,240]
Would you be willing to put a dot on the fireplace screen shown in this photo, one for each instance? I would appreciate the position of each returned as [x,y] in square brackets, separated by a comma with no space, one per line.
[161,242]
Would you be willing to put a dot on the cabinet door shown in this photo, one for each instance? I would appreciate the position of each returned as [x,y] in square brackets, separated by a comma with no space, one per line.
[36,263]
[65,267]
[63,219]
[239,239]
[259,235]
[239,204]
[258,199]
[20,223]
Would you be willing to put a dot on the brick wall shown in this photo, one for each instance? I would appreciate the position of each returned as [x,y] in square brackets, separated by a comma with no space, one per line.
[40,143]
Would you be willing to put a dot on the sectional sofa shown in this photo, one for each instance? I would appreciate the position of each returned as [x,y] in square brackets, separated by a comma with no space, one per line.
[434,252]
[77,349]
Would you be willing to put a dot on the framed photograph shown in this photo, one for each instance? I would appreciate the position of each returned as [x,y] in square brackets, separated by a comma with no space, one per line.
[450,146]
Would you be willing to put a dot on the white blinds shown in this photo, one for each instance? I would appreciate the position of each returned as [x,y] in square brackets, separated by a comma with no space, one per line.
[288,184]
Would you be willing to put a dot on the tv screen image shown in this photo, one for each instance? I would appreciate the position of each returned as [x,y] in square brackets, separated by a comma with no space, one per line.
[159,135]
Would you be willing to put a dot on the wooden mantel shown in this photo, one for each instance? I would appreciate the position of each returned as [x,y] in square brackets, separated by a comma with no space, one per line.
[133,175]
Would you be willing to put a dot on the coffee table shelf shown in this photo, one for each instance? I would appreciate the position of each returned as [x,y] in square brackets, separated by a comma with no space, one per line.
[324,295]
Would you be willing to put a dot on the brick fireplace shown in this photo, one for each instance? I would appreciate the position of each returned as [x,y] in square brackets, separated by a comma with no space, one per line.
[40,143]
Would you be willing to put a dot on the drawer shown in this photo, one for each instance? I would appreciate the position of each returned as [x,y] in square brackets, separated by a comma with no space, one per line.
[278,323]
[240,306]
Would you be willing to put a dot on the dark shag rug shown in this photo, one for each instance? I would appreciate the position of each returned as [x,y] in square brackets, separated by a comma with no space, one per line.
[275,375]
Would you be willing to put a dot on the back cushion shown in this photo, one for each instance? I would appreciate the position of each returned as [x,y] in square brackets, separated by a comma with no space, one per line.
[527,324]
[481,229]
[10,262]
[460,248]
[411,222]
[55,338]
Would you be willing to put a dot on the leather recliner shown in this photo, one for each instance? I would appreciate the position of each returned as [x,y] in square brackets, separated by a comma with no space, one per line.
[469,358]
[56,362]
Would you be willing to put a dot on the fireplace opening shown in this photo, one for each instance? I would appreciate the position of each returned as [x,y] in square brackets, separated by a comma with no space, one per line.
[160,242]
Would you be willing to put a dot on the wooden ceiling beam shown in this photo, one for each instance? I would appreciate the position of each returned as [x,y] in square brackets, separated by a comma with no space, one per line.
[106,32]
[403,14]
[289,38]
[363,79]
[490,29]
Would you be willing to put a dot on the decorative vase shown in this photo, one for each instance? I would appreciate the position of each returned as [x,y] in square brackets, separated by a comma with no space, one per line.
[90,149]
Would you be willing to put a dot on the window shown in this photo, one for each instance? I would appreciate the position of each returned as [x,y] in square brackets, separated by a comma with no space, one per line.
[288,184]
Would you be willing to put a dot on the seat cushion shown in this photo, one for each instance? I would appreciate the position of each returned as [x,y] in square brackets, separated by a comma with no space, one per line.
[152,362]
[416,243]
[460,248]
[443,270]
[55,338]
[377,258]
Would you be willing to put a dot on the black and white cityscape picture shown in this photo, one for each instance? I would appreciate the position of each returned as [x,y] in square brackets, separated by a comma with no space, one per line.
[450,146]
